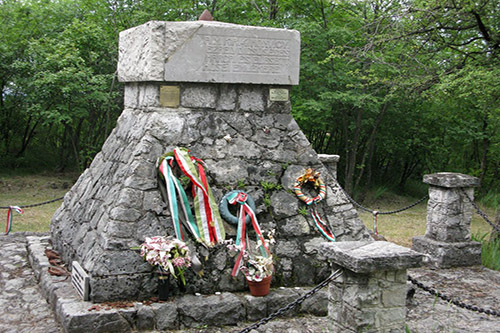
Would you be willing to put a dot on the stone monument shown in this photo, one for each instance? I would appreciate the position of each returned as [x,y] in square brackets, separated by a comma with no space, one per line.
[222,91]
[447,238]
[370,295]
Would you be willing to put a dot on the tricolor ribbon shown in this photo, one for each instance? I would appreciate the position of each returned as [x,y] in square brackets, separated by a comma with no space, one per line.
[174,187]
[8,227]
[241,198]
[312,202]
[206,210]
[321,225]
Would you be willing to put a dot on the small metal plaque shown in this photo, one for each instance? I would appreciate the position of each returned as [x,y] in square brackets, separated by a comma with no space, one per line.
[278,95]
[80,281]
[170,96]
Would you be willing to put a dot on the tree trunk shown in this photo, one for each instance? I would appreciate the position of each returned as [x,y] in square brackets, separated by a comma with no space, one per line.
[273,9]
[370,146]
[29,132]
[485,149]
[352,153]
[75,141]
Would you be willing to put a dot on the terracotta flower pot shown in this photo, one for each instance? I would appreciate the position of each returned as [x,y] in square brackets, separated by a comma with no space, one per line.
[260,288]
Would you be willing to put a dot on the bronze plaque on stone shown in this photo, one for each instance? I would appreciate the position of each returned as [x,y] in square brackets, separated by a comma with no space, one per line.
[278,95]
[170,96]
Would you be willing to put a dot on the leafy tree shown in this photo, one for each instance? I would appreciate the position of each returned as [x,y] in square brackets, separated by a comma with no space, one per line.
[396,88]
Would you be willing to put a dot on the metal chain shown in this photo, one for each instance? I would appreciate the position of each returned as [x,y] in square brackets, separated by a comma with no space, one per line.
[294,304]
[382,213]
[35,205]
[453,301]
[478,210]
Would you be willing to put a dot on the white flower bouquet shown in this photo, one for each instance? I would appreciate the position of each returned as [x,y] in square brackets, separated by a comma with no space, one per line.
[170,255]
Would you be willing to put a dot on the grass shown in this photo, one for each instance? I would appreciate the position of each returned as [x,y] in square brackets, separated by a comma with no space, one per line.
[17,190]
[490,250]
[400,228]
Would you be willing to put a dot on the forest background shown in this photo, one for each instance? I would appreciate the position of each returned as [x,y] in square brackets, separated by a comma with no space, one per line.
[398,89]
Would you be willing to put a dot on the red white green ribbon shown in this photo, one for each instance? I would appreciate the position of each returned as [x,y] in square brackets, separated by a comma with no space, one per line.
[311,176]
[241,198]
[321,225]
[206,210]
[174,187]
[8,227]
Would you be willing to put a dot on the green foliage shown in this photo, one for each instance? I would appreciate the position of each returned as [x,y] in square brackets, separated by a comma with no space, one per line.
[397,89]
[491,199]
[267,200]
[57,85]
[490,251]
[241,184]
[303,211]
[379,191]
[270,186]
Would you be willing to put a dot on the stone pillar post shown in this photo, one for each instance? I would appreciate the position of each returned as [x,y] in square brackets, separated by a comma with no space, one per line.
[447,238]
[370,295]
[330,162]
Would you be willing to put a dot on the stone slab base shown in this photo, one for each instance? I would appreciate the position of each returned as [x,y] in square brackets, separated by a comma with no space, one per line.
[447,255]
[181,312]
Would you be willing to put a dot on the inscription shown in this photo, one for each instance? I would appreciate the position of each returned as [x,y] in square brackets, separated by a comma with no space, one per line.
[170,96]
[278,95]
[80,281]
[246,55]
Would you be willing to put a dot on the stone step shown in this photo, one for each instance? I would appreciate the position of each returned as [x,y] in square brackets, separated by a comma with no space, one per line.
[186,311]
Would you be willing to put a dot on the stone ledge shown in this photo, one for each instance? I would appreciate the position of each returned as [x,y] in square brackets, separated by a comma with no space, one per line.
[180,312]
[328,158]
[366,257]
[448,254]
[451,180]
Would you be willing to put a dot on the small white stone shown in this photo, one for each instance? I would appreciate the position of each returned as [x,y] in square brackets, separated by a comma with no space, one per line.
[297,288]
[197,294]
[282,288]
[217,293]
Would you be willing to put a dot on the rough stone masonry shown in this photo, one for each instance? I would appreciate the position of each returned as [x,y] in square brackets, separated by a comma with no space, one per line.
[221,90]
[447,238]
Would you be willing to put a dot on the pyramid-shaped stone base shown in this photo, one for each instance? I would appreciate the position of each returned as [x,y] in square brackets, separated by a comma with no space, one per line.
[248,140]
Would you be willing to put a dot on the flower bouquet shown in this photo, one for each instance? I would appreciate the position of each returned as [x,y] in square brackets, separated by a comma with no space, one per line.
[257,264]
[170,255]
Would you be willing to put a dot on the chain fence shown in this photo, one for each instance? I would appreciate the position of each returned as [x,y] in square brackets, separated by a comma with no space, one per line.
[481,213]
[18,209]
[375,212]
[447,298]
[34,205]
[413,280]
[295,303]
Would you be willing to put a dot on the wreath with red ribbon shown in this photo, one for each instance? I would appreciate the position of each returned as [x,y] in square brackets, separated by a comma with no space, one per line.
[310,176]
[313,176]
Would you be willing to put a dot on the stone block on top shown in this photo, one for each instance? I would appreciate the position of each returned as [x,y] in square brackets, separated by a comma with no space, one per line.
[209,51]
[367,257]
[451,180]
